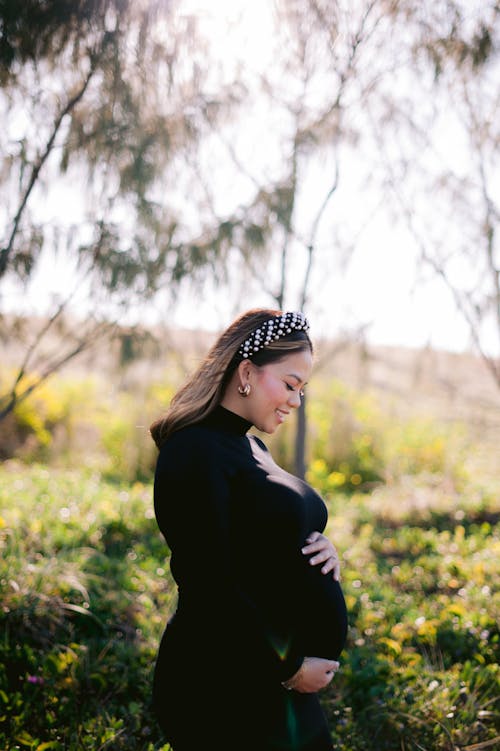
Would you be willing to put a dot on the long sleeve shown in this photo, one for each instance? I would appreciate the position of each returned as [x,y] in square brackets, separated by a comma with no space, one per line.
[195,493]
[191,498]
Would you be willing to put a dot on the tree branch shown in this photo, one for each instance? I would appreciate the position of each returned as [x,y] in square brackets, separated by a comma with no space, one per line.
[491,363]
[463,305]
[314,230]
[14,398]
[35,171]
[35,343]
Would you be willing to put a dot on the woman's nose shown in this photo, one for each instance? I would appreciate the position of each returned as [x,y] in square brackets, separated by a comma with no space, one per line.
[294,400]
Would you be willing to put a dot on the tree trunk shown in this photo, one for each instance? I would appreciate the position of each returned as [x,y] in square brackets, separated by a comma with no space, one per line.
[300,440]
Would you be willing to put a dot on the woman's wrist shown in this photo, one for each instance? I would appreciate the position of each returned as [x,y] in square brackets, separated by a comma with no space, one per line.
[292,682]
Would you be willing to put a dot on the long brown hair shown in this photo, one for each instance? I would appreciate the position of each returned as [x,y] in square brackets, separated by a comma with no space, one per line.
[204,390]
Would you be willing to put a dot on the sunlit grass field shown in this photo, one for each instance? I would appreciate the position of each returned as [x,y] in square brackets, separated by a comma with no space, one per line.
[86,591]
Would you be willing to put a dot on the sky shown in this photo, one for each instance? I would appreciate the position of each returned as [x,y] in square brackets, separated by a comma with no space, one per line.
[375,289]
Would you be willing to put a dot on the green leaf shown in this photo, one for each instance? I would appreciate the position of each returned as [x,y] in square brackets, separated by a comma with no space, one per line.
[26,739]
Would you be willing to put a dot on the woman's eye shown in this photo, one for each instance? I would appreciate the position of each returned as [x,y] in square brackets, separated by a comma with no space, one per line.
[293,388]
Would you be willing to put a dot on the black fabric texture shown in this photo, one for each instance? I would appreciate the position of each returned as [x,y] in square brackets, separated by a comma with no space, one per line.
[250,606]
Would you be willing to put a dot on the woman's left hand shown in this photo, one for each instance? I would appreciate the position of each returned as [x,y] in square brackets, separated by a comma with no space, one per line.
[322,551]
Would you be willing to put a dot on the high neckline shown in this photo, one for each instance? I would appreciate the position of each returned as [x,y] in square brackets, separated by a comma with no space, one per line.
[223,419]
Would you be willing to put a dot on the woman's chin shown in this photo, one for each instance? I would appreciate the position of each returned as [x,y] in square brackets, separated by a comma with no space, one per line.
[267,427]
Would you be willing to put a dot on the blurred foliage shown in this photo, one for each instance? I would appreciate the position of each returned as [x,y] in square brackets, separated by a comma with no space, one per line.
[34,31]
[44,427]
[352,445]
[112,93]
[356,443]
[78,416]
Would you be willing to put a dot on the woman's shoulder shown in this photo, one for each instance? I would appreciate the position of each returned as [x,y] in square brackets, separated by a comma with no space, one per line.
[193,442]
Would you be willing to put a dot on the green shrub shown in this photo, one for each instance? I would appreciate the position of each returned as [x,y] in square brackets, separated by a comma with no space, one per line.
[355,444]
[55,421]
[352,443]
[68,417]
[127,449]
[85,595]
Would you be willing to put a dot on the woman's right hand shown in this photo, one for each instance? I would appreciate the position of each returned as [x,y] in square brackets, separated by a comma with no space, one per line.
[314,674]
[325,553]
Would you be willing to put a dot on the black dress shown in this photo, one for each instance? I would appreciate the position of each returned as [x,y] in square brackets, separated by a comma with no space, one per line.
[250,606]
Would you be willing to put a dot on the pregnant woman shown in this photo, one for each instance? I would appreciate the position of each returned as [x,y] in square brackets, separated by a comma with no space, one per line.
[260,620]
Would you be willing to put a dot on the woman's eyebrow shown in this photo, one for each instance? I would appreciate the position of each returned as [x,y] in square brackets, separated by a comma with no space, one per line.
[297,378]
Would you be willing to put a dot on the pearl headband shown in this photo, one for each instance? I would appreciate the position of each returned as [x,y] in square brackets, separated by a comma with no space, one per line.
[273,329]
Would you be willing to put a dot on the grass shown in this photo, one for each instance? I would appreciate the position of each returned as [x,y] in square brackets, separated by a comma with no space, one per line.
[84,597]
[85,593]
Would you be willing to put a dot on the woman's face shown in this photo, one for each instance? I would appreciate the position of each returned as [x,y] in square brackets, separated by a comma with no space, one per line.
[276,389]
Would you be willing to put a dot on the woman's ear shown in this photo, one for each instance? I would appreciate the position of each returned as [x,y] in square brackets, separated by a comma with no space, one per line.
[244,369]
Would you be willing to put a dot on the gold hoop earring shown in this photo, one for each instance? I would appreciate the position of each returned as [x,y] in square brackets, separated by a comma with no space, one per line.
[244,390]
